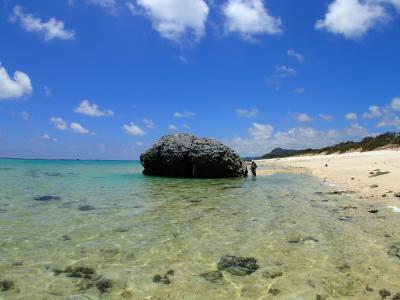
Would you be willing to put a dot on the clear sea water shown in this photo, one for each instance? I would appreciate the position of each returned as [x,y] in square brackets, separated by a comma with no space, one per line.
[137,227]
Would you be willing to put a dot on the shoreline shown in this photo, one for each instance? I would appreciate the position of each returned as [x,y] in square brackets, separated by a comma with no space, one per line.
[373,174]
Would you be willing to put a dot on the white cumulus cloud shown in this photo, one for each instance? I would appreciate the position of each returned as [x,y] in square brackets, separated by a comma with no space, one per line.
[177,19]
[352,18]
[92,110]
[133,129]
[16,87]
[50,30]
[249,18]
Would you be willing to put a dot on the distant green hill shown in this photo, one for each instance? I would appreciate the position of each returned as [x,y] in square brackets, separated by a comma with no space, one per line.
[367,144]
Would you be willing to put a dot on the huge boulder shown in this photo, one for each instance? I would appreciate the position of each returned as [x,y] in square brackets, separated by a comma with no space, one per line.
[185,155]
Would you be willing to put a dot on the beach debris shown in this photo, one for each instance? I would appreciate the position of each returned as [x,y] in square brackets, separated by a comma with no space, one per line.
[212,276]
[274,291]
[374,186]
[378,173]
[349,207]
[384,293]
[164,279]
[373,210]
[47,198]
[271,274]
[395,208]
[6,285]
[395,250]
[86,207]
[340,192]
[326,165]
[238,266]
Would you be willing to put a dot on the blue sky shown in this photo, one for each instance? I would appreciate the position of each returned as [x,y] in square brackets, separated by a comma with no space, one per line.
[103,79]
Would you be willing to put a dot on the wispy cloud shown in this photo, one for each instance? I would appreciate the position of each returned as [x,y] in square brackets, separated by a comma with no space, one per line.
[149,123]
[172,127]
[61,124]
[92,110]
[373,112]
[299,57]
[351,116]
[50,30]
[326,118]
[302,117]
[282,72]
[247,113]
[184,114]
[133,129]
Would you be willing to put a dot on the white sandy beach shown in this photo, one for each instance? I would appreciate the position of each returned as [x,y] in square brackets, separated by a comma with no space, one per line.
[347,172]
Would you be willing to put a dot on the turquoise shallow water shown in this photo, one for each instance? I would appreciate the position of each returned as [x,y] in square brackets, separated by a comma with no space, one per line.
[128,228]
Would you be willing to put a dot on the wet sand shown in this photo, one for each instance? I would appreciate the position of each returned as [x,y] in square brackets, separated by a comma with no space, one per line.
[374,174]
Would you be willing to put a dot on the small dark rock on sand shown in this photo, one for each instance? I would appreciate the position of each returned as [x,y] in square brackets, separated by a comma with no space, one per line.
[395,250]
[384,293]
[378,173]
[373,210]
[239,266]
[397,195]
[6,285]
[272,274]
[274,292]
[212,276]
[47,198]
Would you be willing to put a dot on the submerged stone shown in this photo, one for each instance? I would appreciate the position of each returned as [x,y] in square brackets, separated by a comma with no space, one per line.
[86,207]
[103,285]
[47,198]
[212,276]
[395,250]
[238,266]
[274,292]
[6,285]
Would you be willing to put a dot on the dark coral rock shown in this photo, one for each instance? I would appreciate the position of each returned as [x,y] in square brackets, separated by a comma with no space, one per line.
[47,198]
[6,285]
[157,278]
[212,276]
[239,266]
[184,155]
[104,285]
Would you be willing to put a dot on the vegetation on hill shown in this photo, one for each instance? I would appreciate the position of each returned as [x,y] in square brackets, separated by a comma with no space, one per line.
[366,144]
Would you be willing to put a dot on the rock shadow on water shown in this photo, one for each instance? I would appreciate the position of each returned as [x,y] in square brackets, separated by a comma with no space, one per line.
[86,207]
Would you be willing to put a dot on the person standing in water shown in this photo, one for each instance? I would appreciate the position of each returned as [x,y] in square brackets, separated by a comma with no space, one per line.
[253,168]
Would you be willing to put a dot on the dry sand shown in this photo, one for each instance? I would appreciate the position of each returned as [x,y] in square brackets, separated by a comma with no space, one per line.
[347,172]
